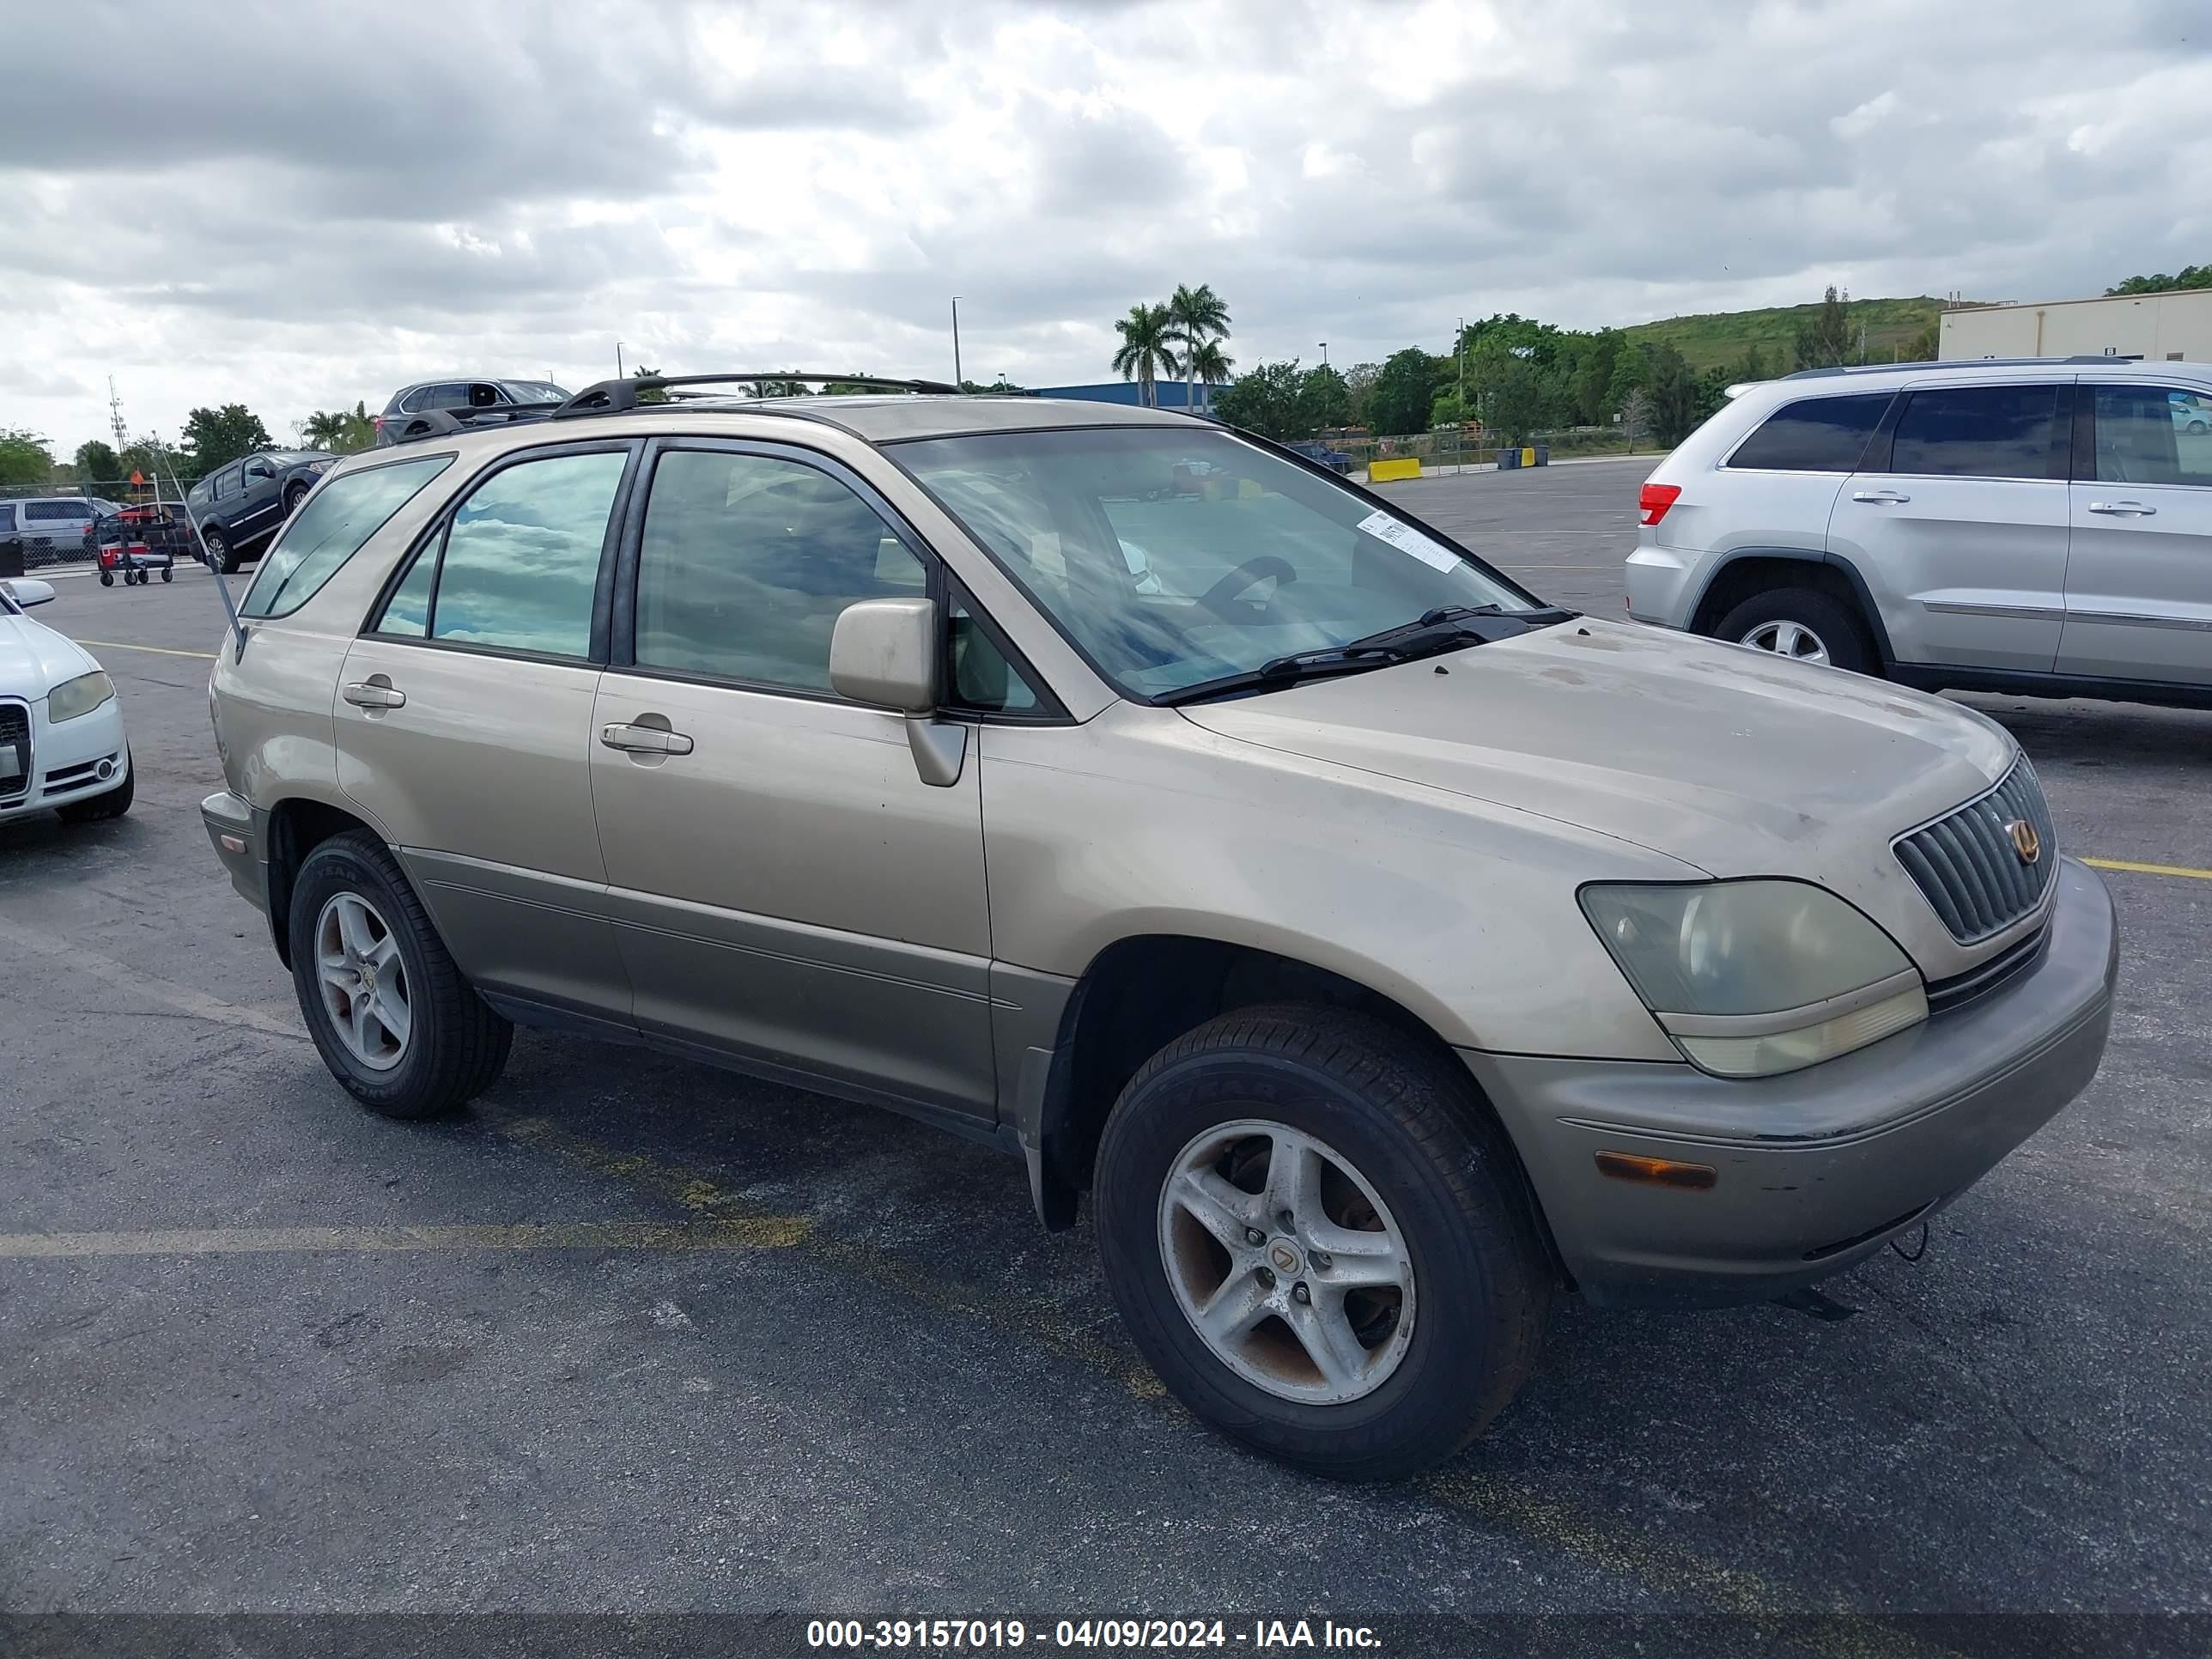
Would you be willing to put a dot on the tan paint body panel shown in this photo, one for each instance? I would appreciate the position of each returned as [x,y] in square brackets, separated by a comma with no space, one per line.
[793,892]
[1735,762]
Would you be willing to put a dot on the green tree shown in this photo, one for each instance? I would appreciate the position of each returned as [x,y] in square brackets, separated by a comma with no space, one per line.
[1147,348]
[1265,400]
[1593,376]
[1206,362]
[1676,397]
[216,437]
[1827,339]
[1404,388]
[655,395]
[1359,385]
[1200,318]
[25,457]
[1926,346]
[1324,400]
[2187,277]
[1516,400]
[96,462]
[775,388]
[1445,408]
[339,431]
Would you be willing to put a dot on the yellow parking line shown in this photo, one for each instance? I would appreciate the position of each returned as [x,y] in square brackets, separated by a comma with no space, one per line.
[158,650]
[771,1233]
[2151,869]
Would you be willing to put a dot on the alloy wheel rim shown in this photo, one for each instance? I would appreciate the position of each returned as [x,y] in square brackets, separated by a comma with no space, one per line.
[363,981]
[1286,1261]
[1788,639]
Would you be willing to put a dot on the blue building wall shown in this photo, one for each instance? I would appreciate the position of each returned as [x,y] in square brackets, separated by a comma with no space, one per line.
[1168,393]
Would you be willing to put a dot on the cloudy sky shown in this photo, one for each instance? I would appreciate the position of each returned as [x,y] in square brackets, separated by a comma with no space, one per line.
[298,206]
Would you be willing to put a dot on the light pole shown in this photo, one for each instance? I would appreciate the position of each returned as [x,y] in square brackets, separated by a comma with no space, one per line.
[1324,354]
[618,365]
[956,381]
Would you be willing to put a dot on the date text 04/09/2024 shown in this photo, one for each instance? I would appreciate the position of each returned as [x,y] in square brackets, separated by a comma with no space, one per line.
[1259,1635]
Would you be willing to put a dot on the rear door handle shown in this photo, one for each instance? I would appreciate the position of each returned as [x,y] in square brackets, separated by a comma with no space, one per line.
[364,694]
[644,740]
[2122,509]
[1880,498]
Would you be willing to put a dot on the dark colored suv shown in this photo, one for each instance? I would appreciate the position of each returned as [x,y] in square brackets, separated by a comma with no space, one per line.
[239,506]
[426,395]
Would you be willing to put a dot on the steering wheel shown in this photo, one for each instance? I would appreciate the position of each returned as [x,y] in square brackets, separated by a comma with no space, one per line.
[1254,570]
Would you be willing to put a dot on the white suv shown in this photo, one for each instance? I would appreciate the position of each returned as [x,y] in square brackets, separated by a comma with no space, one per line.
[2034,526]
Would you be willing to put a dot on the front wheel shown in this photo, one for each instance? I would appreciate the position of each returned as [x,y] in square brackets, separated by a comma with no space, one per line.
[293,497]
[387,1008]
[1317,1239]
[168,574]
[1802,624]
[107,579]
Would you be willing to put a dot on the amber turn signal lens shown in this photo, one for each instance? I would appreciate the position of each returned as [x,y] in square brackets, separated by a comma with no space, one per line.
[1656,1172]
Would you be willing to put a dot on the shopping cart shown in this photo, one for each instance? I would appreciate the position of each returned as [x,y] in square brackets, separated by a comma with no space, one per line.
[137,541]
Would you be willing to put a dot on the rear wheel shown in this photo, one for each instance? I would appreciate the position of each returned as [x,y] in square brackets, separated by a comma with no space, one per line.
[1803,623]
[1315,1236]
[389,1010]
[107,579]
[168,574]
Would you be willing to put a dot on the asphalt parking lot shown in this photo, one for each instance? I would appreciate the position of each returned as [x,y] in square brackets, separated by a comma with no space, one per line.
[635,1336]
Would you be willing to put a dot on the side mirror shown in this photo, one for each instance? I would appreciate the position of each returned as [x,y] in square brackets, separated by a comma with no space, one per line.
[885,652]
[27,590]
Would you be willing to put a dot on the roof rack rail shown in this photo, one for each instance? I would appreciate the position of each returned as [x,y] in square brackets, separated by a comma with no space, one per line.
[444,423]
[2080,359]
[609,396]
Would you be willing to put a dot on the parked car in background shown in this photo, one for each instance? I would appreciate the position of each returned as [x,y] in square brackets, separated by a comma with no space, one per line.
[1383,949]
[1335,459]
[2027,525]
[239,506]
[2192,411]
[460,392]
[52,528]
[63,748]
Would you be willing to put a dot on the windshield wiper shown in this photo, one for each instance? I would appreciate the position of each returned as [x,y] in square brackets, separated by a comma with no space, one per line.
[1447,628]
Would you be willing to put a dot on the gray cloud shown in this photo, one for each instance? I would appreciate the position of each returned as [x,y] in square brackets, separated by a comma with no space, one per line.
[334,200]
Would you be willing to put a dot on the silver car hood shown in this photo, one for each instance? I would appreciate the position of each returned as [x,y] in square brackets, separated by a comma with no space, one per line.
[1735,761]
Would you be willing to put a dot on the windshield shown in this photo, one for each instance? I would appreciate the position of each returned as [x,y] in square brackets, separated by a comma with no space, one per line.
[1174,555]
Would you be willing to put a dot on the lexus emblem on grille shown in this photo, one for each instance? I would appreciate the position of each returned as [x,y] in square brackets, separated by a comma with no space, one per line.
[2025,841]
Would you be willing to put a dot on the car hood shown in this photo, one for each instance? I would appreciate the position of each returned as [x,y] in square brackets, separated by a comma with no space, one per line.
[34,658]
[1737,761]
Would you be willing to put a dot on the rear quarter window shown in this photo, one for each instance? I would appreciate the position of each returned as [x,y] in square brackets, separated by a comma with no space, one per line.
[1814,434]
[330,528]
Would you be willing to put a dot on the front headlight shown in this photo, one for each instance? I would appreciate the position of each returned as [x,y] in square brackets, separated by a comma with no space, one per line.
[78,696]
[1751,978]
[320,467]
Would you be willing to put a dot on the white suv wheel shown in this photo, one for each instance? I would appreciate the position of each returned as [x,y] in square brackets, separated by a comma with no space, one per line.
[1787,639]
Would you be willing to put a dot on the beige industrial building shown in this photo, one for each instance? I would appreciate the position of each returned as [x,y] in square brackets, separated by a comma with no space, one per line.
[2168,327]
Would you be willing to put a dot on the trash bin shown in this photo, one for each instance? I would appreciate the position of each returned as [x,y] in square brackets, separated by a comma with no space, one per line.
[1508,459]
[11,555]
[1541,454]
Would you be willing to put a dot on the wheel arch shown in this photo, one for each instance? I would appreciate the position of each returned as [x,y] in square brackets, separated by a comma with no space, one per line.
[297,824]
[1139,993]
[1750,571]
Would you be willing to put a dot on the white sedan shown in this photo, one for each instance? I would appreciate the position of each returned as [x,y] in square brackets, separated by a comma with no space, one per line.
[61,745]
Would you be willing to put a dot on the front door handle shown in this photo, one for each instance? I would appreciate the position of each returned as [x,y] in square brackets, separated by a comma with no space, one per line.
[644,740]
[1880,498]
[2122,509]
[367,694]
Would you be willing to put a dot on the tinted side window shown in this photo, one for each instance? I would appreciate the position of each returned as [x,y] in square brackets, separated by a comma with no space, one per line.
[2153,435]
[746,561]
[520,560]
[978,676]
[1977,432]
[7,516]
[1819,434]
[331,529]
[33,512]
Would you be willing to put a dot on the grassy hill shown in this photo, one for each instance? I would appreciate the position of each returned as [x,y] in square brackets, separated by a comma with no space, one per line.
[1722,337]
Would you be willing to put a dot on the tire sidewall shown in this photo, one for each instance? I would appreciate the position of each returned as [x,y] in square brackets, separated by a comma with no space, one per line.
[1456,1296]
[335,867]
[1828,619]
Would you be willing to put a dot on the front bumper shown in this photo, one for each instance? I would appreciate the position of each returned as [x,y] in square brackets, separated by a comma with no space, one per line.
[65,760]
[1818,1168]
[239,836]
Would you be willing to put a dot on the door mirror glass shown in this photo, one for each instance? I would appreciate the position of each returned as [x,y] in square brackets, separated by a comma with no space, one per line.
[885,652]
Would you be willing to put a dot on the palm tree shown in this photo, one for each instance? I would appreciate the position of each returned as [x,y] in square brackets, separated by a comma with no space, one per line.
[1147,347]
[1205,364]
[1198,316]
[324,429]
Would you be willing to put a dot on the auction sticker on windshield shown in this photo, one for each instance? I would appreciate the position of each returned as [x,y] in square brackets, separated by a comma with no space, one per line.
[1407,539]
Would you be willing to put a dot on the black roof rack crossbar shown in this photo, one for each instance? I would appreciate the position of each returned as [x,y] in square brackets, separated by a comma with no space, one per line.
[608,397]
